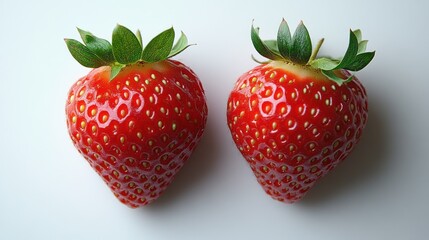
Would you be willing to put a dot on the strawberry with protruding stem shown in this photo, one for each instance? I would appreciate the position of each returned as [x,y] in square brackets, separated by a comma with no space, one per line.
[137,117]
[295,117]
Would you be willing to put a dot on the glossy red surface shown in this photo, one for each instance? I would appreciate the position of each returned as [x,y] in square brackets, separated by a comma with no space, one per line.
[293,130]
[137,130]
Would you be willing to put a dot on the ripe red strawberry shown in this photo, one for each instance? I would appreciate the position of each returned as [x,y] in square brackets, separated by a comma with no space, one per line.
[137,117]
[295,118]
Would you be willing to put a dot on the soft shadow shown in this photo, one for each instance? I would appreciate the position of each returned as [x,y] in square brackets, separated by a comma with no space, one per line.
[364,163]
[195,170]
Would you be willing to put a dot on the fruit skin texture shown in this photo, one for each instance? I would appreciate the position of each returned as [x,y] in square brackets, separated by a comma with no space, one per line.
[293,125]
[137,130]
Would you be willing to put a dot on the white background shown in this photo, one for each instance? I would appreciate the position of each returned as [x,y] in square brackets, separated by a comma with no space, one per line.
[48,191]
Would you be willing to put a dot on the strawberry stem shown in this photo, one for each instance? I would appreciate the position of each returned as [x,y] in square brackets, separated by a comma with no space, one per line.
[316,50]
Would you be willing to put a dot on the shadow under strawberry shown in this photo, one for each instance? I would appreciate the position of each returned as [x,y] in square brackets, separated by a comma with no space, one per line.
[364,164]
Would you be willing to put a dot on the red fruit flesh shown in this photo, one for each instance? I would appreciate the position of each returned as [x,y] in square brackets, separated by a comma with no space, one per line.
[139,129]
[293,125]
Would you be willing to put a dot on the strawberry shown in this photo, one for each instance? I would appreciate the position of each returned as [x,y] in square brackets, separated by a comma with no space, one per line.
[137,116]
[295,117]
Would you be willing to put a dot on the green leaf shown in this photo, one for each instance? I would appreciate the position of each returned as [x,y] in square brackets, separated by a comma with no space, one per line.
[115,70]
[139,37]
[83,55]
[301,45]
[261,47]
[324,63]
[358,34]
[98,46]
[284,39]
[362,46]
[361,61]
[331,75]
[272,46]
[180,45]
[159,47]
[126,47]
[350,53]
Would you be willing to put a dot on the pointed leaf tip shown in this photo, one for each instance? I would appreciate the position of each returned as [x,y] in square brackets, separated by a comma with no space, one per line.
[125,45]
[83,55]
[301,45]
[159,47]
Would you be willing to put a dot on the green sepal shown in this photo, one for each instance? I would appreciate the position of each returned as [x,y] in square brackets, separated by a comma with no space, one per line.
[272,46]
[159,47]
[139,37]
[115,70]
[332,76]
[362,46]
[83,54]
[180,45]
[301,45]
[325,63]
[360,61]
[284,39]
[261,47]
[100,47]
[351,52]
[126,46]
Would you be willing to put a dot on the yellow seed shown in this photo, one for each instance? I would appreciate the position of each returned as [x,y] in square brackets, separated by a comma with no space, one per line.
[289,123]
[162,109]
[134,148]
[82,108]
[273,74]
[157,89]
[93,112]
[282,79]
[254,102]
[146,81]
[139,135]
[253,90]
[173,126]
[105,138]
[94,128]
[274,125]
[306,124]
[83,124]
[254,79]
[150,142]
[104,118]
[74,119]
[71,98]
[160,124]
[243,86]
[131,124]
[178,96]
[153,76]
[293,95]
[176,109]
[257,134]
[122,139]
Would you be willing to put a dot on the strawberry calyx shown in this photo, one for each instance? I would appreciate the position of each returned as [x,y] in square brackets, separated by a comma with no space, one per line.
[126,49]
[297,49]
